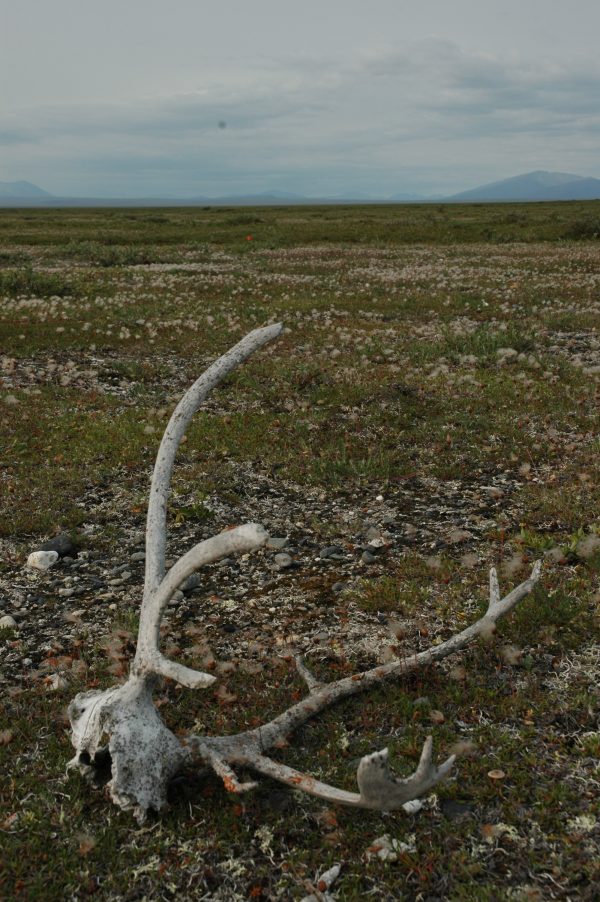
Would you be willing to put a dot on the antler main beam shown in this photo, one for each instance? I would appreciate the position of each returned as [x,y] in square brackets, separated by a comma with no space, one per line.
[378,786]
[145,755]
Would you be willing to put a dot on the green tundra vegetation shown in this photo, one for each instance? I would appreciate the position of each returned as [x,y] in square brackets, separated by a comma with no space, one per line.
[434,398]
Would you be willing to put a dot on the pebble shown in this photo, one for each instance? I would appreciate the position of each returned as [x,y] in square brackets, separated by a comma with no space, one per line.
[125,575]
[176,598]
[412,806]
[42,560]
[376,543]
[339,587]
[332,551]
[367,557]
[7,622]
[66,593]
[436,716]
[275,543]
[455,810]
[192,582]
[138,556]
[283,561]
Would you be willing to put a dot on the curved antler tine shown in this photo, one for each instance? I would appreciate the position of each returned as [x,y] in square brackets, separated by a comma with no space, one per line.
[494,588]
[148,657]
[183,413]
[158,588]
[445,768]
[192,679]
[425,759]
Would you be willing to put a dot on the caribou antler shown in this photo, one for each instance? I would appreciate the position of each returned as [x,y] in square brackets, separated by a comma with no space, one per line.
[144,754]
[379,788]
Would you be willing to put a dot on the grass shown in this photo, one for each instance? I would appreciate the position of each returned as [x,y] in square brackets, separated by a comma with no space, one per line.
[26,282]
[389,382]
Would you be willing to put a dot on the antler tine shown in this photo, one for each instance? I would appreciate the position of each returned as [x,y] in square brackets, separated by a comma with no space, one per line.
[425,759]
[312,683]
[148,657]
[494,587]
[158,588]
[499,606]
[183,413]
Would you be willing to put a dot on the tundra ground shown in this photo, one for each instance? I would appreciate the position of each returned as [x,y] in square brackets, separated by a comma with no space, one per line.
[431,410]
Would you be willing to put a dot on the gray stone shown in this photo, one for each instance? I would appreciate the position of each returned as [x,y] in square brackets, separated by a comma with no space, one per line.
[331,551]
[63,545]
[191,583]
[138,556]
[455,810]
[283,561]
[275,543]
[367,557]
[7,622]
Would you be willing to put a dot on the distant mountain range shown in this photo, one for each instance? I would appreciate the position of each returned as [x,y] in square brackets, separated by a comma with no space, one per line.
[21,191]
[538,185]
[532,186]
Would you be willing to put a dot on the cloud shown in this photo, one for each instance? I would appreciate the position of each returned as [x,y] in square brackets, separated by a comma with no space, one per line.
[430,108]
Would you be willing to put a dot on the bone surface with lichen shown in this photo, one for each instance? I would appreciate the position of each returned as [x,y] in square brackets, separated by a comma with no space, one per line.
[122,724]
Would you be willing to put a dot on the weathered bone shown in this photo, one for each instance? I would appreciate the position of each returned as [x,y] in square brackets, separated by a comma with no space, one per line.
[144,753]
[123,723]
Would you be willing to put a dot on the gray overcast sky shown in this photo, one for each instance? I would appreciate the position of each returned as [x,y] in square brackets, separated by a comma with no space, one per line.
[145,97]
